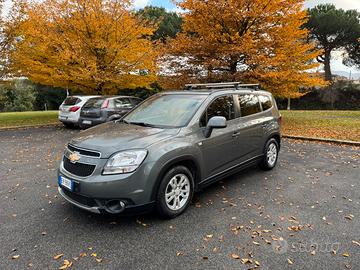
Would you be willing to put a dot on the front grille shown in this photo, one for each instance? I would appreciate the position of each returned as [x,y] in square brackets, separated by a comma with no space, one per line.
[83,152]
[79,169]
[79,198]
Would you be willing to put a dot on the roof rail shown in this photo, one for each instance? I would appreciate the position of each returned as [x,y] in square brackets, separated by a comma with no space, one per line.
[236,85]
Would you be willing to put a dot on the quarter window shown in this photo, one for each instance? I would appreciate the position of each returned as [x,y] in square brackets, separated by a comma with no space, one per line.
[222,106]
[249,104]
[265,102]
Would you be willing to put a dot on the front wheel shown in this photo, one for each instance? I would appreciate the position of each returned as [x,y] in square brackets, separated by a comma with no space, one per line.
[270,155]
[175,192]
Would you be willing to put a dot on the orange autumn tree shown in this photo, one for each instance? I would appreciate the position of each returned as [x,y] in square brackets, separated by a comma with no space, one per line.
[244,40]
[97,46]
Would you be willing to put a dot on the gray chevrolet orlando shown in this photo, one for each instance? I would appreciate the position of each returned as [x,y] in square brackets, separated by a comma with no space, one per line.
[170,146]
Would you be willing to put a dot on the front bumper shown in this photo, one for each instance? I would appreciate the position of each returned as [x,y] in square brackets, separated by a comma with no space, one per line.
[94,209]
[94,192]
[100,207]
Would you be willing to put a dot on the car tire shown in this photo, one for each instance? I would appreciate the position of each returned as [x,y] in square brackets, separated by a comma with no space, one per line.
[175,192]
[271,153]
[68,125]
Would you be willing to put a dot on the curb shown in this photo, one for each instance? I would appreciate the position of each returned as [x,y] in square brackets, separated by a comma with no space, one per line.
[353,143]
[30,126]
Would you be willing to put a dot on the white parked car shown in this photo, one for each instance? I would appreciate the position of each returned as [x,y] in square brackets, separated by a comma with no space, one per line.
[69,110]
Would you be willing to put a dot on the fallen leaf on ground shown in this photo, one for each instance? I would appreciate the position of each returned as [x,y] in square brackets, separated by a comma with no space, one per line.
[290,261]
[356,243]
[246,261]
[98,260]
[66,264]
[235,256]
[15,257]
[349,217]
[346,254]
[56,257]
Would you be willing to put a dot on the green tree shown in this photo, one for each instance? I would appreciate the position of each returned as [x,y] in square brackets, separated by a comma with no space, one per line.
[17,95]
[168,23]
[333,29]
[353,57]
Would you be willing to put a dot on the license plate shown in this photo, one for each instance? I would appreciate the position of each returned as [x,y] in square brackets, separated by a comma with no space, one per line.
[63,117]
[69,184]
[87,122]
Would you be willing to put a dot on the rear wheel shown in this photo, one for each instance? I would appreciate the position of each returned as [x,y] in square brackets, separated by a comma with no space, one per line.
[175,192]
[69,125]
[270,155]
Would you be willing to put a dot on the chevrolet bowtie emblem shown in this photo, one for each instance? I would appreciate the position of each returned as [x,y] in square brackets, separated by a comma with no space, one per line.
[74,157]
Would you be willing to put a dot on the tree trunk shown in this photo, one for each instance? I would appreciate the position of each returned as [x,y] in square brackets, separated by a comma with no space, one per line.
[327,67]
[99,88]
[288,103]
[233,67]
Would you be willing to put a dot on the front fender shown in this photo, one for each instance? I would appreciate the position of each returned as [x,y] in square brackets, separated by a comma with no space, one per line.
[171,154]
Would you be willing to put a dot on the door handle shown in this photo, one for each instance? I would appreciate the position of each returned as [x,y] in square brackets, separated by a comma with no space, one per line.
[236,133]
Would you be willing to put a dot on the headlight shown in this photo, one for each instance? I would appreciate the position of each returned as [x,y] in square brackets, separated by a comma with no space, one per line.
[124,162]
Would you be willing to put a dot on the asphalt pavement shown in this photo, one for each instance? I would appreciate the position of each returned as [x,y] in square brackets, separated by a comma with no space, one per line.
[302,215]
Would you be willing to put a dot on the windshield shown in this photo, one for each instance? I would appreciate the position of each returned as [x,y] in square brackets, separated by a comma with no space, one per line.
[169,110]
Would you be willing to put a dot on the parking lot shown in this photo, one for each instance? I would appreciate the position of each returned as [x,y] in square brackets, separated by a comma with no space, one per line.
[302,215]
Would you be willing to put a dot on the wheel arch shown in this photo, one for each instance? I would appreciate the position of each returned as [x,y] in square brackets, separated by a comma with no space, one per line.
[275,136]
[188,161]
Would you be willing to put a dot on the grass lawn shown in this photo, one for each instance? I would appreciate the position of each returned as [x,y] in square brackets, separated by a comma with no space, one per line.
[326,124]
[14,119]
[343,125]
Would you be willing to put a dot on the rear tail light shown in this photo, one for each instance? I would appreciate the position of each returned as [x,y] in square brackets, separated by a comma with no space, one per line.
[105,104]
[74,108]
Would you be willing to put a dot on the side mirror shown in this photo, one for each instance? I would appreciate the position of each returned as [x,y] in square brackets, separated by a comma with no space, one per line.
[214,122]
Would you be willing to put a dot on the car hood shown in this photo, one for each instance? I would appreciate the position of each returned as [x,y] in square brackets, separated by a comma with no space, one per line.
[113,137]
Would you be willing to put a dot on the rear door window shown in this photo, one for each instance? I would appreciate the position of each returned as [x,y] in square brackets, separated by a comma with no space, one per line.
[71,101]
[249,104]
[265,102]
[222,106]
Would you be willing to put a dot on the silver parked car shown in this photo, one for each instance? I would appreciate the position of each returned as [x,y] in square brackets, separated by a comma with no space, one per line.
[170,146]
[69,110]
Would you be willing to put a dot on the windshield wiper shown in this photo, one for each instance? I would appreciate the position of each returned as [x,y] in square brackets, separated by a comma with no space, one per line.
[141,124]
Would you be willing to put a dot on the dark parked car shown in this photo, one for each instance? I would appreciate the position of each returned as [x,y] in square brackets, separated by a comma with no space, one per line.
[170,146]
[104,109]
